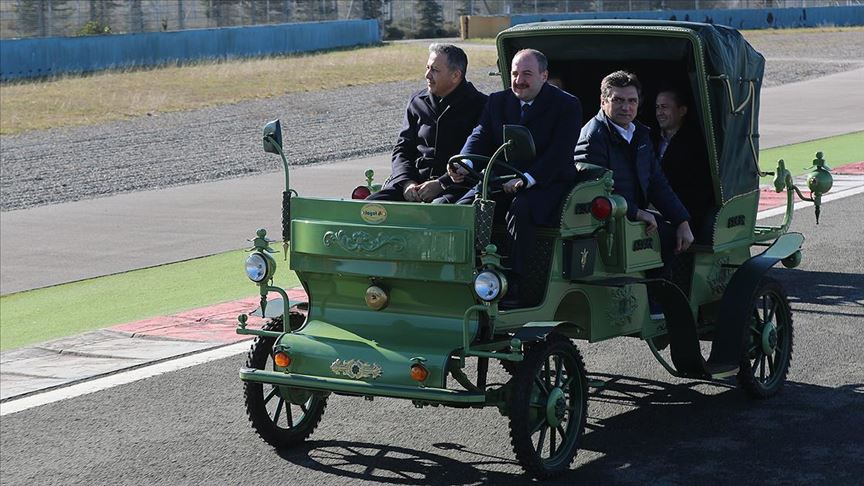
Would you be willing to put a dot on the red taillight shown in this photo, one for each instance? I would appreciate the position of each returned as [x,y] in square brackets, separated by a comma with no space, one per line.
[361,192]
[601,208]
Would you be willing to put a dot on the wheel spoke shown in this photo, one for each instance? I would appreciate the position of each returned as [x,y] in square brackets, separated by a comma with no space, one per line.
[542,438]
[771,365]
[540,424]
[762,360]
[543,388]
[303,407]
[569,382]
[562,432]
[559,370]
[552,443]
[546,374]
[764,308]
[278,410]
[772,311]
[288,415]
[270,395]
[756,361]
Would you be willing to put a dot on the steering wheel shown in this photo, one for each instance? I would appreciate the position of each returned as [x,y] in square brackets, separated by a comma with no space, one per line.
[473,174]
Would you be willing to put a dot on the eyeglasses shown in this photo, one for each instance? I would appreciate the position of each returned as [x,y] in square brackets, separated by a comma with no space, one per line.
[622,101]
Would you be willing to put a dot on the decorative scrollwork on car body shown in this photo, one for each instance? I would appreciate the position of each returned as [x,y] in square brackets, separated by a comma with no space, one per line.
[356,369]
[719,276]
[622,308]
[361,241]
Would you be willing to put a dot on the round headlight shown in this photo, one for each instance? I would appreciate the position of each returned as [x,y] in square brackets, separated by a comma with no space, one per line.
[257,267]
[489,285]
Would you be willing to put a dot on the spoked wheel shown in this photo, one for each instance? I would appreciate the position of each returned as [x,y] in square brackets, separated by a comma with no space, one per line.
[282,416]
[768,351]
[548,406]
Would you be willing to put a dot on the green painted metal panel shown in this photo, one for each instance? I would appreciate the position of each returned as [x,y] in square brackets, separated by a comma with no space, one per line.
[390,240]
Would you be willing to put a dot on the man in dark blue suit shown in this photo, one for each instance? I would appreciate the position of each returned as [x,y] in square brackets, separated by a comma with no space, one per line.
[615,140]
[553,117]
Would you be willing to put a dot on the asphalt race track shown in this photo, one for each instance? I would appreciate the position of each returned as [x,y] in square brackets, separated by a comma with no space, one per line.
[189,426]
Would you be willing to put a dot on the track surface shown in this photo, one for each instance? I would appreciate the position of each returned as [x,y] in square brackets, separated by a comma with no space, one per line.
[189,426]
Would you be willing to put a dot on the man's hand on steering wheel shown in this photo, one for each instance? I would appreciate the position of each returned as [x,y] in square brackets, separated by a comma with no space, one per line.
[513,186]
[458,170]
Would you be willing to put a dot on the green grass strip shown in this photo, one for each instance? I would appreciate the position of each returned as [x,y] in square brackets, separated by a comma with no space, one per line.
[64,310]
[837,151]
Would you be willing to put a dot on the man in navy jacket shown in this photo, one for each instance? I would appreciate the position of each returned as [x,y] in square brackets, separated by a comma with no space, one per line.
[437,121]
[613,139]
[553,118]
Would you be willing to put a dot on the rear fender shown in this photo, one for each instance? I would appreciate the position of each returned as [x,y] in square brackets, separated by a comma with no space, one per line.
[735,306]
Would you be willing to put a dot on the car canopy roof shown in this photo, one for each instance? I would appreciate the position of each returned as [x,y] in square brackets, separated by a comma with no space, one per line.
[724,71]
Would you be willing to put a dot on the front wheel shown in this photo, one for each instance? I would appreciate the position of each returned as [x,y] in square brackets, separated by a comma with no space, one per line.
[283,417]
[768,351]
[548,405]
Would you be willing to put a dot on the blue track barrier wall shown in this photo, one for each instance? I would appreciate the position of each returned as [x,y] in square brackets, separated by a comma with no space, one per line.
[27,58]
[762,18]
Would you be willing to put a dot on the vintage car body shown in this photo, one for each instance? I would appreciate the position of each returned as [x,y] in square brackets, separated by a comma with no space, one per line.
[401,294]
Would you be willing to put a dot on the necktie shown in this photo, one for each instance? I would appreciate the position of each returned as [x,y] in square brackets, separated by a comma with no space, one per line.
[525,109]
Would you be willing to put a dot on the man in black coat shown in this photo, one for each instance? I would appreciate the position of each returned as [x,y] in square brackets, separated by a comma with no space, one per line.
[684,158]
[553,118]
[615,140]
[437,121]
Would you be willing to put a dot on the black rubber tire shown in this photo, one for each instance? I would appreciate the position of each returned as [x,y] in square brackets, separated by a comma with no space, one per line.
[298,421]
[531,387]
[762,375]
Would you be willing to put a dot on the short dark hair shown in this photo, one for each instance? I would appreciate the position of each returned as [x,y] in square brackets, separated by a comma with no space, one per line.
[677,95]
[542,62]
[457,60]
[619,79]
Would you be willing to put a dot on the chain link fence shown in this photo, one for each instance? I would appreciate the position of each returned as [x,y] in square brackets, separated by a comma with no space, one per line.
[52,18]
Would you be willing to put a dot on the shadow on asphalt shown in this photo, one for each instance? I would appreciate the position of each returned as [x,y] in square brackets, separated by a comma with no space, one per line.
[839,292]
[672,433]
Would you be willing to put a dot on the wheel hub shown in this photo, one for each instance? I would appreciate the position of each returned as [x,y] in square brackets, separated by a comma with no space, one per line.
[769,338]
[556,406]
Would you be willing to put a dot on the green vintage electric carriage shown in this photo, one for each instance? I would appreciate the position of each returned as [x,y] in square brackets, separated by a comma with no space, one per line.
[404,296]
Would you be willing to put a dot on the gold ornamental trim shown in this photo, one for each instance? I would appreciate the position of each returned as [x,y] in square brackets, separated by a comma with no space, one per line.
[363,242]
[356,369]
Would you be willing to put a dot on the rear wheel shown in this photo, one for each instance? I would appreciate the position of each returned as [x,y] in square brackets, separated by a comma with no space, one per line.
[768,351]
[548,405]
[281,416]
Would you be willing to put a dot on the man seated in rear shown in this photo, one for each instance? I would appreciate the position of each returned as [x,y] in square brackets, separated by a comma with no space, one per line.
[615,140]
[683,156]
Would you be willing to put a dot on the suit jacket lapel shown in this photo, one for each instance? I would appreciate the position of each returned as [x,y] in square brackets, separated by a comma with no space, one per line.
[514,110]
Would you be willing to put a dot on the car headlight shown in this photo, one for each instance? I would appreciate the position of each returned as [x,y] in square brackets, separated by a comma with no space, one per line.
[489,285]
[259,267]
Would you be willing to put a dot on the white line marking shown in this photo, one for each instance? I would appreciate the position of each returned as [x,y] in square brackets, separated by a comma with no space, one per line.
[806,204]
[100,384]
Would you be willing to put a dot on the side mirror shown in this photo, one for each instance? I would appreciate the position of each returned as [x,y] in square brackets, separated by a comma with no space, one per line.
[273,137]
[521,142]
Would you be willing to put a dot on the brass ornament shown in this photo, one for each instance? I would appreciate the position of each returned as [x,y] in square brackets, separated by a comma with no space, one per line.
[356,369]
[376,297]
